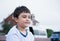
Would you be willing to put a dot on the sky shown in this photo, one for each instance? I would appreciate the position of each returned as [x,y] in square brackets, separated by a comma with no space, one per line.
[47,12]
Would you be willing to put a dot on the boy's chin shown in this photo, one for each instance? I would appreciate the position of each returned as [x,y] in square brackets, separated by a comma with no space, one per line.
[26,25]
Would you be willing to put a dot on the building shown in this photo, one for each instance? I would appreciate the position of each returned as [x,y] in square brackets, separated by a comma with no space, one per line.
[9,20]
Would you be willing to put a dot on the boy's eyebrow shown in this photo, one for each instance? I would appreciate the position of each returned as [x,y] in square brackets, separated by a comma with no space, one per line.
[25,15]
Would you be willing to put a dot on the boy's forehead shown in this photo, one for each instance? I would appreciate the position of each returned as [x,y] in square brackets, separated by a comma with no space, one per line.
[25,14]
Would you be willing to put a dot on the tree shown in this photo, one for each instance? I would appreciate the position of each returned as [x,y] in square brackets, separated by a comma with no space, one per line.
[6,27]
[49,32]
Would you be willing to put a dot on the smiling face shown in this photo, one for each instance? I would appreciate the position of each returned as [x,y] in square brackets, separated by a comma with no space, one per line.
[23,19]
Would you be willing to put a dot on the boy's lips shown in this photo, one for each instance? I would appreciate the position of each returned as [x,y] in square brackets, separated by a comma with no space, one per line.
[27,22]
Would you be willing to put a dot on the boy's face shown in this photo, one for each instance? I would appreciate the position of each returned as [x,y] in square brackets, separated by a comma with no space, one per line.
[23,19]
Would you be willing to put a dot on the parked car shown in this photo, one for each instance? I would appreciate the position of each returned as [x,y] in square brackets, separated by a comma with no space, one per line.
[38,33]
[55,36]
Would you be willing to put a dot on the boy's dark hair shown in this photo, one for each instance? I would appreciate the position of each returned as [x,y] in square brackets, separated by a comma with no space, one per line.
[19,10]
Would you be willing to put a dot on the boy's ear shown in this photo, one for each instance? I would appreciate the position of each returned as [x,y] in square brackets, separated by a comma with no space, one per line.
[16,19]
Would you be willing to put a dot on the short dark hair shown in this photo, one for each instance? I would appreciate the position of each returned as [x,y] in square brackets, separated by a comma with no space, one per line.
[20,10]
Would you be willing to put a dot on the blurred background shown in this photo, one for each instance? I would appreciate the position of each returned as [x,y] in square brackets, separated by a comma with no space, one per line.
[45,15]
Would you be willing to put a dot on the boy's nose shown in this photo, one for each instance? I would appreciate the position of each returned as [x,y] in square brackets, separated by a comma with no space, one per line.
[27,19]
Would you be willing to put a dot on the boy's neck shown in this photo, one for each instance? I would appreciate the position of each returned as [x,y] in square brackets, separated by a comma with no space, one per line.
[22,29]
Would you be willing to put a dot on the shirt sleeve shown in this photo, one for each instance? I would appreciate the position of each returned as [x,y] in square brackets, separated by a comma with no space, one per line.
[12,38]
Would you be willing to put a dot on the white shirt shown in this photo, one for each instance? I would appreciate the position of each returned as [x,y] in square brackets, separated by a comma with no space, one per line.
[15,35]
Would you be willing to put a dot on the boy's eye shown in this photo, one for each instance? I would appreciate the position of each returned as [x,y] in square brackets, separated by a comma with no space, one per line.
[24,16]
[29,17]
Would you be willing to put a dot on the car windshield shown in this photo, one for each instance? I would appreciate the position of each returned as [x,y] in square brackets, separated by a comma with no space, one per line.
[37,32]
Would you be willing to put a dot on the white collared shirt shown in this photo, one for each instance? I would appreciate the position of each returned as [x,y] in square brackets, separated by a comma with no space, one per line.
[15,35]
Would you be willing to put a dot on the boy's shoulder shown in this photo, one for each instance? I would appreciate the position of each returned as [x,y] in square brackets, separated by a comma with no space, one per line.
[12,30]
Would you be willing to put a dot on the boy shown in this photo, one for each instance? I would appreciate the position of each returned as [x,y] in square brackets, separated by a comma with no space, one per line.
[19,32]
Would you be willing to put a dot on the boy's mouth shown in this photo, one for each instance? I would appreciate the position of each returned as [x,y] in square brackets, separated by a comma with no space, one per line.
[27,22]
